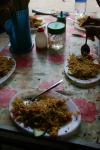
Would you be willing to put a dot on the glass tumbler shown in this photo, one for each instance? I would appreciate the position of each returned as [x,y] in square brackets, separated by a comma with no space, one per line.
[80,7]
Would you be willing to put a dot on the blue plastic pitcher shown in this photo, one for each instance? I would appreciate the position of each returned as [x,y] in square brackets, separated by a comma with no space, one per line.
[18,29]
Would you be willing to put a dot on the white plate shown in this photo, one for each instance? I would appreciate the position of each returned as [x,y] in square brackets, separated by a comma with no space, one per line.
[79,82]
[44,11]
[68,129]
[3,79]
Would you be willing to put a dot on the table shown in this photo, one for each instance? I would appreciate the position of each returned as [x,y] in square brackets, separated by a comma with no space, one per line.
[40,70]
[66,5]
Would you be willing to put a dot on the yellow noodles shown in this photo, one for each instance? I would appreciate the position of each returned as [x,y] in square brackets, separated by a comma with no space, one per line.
[35,22]
[5,65]
[83,20]
[47,114]
[83,67]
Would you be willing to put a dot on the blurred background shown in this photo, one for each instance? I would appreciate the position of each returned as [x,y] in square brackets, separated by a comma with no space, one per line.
[65,5]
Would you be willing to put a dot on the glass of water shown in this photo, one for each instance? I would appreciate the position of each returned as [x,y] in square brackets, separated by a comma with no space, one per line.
[80,7]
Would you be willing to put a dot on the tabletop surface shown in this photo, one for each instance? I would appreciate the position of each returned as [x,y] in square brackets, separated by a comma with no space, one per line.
[40,70]
[66,5]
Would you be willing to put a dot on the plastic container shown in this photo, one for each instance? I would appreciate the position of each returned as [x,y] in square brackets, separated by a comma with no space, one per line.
[56,35]
[80,7]
[41,39]
[18,30]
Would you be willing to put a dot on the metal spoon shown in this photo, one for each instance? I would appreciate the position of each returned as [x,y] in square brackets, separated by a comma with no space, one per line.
[85,49]
[47,12]
[28,100]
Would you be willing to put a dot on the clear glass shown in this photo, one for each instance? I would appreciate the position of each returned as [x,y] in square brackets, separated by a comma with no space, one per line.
[56,41]
[80,7]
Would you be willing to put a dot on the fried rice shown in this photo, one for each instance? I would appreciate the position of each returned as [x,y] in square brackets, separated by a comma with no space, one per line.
[47,113]
[83,67]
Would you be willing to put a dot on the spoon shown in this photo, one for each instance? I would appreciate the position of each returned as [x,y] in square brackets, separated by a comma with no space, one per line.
[85,49]
[27,100]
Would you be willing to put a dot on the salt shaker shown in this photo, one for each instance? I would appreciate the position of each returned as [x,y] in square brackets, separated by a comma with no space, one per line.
[41,39]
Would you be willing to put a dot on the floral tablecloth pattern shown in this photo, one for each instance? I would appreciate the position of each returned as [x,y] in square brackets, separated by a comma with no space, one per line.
[41,70]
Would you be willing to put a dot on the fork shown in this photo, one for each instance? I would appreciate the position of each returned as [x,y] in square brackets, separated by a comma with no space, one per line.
[27,101]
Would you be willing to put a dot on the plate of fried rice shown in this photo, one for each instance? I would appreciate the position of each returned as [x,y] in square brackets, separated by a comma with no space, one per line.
[51,115]
[7,67]
[81,22]
[82,70]
[36,22]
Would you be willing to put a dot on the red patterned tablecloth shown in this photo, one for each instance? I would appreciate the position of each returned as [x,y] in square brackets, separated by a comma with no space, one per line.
[40,70]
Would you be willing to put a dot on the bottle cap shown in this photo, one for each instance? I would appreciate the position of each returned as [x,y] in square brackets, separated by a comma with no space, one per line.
[56,27]
[40,29]
[61,17]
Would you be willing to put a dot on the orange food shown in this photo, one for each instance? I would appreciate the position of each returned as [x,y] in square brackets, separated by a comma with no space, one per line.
[5,65]
[35,22]
[47,113]
[83,67]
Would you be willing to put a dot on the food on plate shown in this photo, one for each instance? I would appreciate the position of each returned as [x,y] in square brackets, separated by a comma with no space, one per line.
[83,20]
[5,65]
[83,67]
[46,114]
[35,22]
